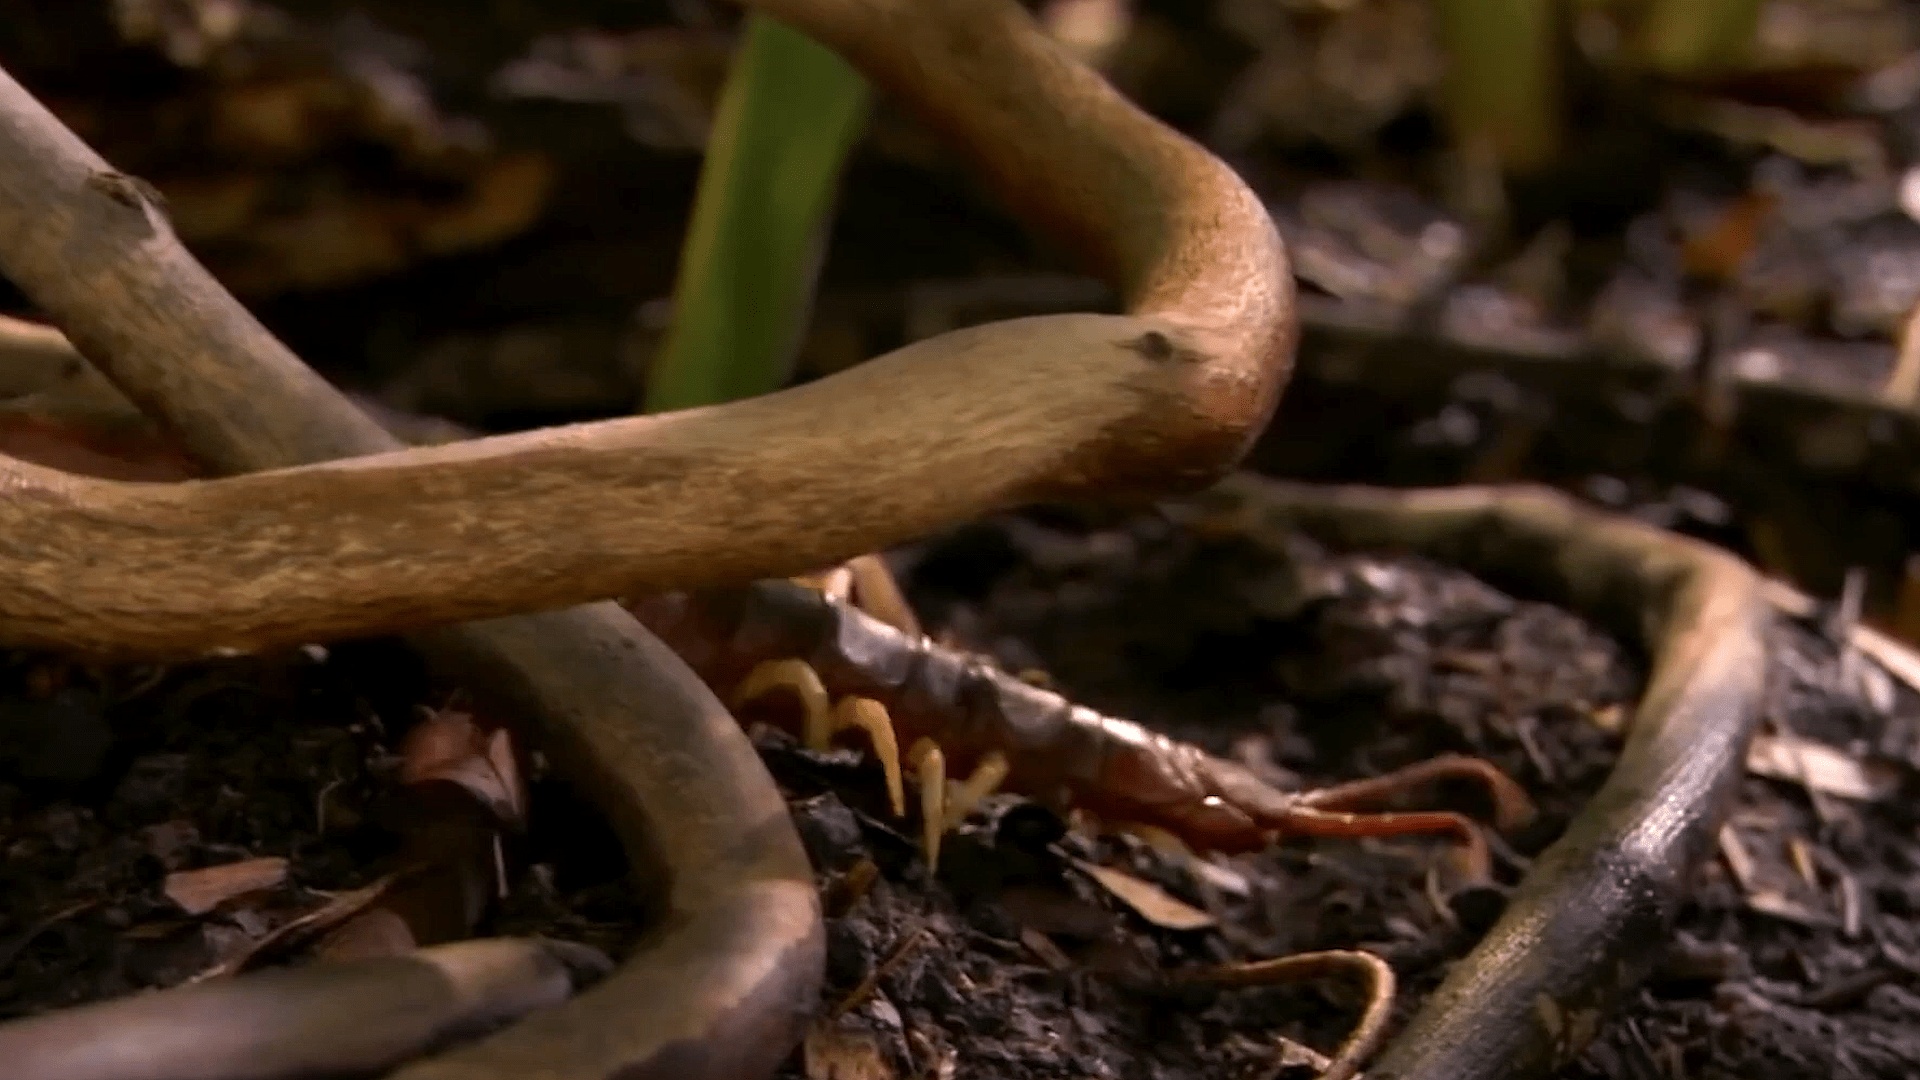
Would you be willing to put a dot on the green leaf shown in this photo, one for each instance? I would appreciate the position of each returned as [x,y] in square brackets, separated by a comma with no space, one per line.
[789,115]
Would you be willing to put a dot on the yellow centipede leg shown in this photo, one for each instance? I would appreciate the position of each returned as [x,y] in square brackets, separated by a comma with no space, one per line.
[1159,839]
[799,677]
[985,779]
[871,717]
[930,768]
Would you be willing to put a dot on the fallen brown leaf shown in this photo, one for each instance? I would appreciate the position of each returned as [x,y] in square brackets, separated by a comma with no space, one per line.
[835,1052]
[197,892]
[1148,900]
[448,745]
[460,787]
[337,909]
[1044,950]
[1821,768]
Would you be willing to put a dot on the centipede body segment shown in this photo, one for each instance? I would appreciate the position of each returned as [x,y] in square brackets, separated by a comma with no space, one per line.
[961,714]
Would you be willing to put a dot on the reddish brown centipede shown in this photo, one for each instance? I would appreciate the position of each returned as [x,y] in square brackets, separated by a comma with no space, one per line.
[1045,746]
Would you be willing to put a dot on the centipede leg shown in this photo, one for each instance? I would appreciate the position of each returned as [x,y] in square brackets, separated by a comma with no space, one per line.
[944,803]
[835,584]
[930,768]
[877,593]
[798,677]
[823,720]
[1304,820]
[962,797]
[1511,806]
[1370,969]
[871,717]
[865,582]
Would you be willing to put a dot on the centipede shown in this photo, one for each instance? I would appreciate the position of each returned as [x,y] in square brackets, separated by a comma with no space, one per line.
[804,654]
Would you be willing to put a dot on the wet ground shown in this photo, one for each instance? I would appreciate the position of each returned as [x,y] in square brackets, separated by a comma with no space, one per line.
[1014,962]
[1710,233]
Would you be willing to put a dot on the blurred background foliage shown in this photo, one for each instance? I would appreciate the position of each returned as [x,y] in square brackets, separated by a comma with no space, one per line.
[782,128]
[1660,252]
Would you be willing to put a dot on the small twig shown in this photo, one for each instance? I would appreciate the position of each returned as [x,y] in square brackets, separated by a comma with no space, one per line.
[1430,885]
[1739,862]
[1801,855]
[871,982]
[1846,890]
[336,910]
[18,945]
[320,804]
[1527,731]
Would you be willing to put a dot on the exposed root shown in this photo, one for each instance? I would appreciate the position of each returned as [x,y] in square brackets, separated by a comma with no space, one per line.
[1589,919]
[357,1017]
[1163,398]
[308,548]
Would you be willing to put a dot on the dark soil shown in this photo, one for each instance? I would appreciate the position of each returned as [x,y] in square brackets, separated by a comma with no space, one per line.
[112,779]
[1013,963]
[1354,666]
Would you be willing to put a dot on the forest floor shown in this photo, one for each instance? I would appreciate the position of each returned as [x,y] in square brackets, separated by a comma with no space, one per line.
[1756,231]
[1801,955]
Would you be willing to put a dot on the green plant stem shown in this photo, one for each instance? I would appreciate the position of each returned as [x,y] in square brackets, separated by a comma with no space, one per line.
[1502,87]
[790,113]
[1697,37]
